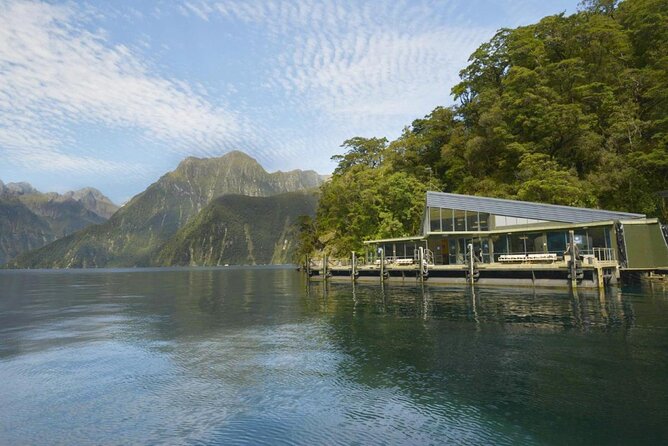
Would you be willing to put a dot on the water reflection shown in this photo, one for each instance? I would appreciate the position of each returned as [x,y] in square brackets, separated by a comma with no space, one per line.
[540,359]
[550,309]
[263,356]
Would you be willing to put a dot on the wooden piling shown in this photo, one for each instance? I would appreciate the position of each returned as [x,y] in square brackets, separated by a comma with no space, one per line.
[353,266]
[382,265]
[471,263]
[572,266]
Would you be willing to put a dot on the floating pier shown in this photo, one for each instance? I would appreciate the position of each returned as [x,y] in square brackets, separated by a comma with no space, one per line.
[557,272]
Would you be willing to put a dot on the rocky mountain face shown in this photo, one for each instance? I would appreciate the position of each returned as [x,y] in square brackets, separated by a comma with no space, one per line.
[238,229]
[134,235]
[20,230]
[30,219]
[93,200]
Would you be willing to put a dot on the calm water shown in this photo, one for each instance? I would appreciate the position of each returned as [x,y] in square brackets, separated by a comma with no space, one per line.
[254,356]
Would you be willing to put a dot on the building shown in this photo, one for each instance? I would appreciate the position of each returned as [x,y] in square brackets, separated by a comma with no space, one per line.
[466,238]
[498,227]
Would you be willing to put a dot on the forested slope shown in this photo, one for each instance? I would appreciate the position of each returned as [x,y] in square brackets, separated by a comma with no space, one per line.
[572,110]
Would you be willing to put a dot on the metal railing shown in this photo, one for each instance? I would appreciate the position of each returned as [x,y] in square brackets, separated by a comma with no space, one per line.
[600,254]
[604,254]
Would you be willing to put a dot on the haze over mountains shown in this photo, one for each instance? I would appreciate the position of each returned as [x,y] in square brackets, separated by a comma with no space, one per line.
[139,232]
[30,219]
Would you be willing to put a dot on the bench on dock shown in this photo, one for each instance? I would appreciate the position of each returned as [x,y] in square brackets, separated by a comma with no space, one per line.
[512,258]
[404,261]
[543,257]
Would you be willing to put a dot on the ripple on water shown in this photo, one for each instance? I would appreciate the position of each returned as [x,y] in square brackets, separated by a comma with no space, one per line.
[256,357]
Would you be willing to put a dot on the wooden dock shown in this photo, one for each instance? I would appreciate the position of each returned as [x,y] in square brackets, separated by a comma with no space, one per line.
[590,273]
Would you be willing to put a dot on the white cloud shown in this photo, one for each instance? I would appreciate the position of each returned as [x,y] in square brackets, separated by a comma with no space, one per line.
[54,73]
[356,67]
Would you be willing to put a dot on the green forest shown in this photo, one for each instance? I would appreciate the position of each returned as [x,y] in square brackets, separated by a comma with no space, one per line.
[572,110]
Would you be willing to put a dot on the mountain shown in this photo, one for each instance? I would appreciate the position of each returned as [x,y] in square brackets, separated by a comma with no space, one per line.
[20,230]
[93,200]
[238,229]
[134,235]
[30,219]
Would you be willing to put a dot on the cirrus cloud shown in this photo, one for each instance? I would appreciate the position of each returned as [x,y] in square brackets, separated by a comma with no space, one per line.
[55,73]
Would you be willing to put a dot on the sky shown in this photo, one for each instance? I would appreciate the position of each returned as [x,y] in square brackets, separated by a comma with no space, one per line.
[115,94]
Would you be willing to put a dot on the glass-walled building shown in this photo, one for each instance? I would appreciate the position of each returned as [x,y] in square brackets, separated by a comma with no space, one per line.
[499,229]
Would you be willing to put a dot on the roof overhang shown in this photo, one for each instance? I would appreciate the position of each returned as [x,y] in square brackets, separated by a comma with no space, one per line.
[524,209]
[388,240]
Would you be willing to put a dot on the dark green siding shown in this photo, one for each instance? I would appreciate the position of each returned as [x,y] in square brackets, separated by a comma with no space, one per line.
[645,246]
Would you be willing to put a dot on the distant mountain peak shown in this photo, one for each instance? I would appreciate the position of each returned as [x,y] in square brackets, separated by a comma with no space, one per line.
[20,188]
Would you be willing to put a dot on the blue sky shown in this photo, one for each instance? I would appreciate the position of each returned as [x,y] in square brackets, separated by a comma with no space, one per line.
[114,94]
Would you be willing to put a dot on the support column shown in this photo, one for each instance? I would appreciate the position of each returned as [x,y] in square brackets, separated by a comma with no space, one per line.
[382,264]
[471,263]
[353,266]
[421,263]
[571,250]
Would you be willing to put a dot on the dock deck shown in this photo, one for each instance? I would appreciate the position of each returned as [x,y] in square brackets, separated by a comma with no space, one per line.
[535,272]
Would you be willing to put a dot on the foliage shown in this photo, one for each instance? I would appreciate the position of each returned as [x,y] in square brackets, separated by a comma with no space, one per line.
[571,110]
[365,200]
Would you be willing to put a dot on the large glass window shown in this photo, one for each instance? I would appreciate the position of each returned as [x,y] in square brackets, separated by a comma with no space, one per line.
[460,220]
[472,221]
[446,218]
[501,221]
[483,219]
[582,240]
[484,247]
[499,245]
[556,242]
[599,237]
[518,243]
[452,252]
[536,242]
[435,219]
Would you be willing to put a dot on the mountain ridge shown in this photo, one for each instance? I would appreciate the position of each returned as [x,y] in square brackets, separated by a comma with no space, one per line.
[135,233]
[30,219]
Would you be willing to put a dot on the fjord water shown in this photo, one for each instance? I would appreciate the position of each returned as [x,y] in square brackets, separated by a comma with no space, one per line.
[255,356]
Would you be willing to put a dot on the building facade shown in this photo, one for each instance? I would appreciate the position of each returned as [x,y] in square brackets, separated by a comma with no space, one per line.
[502,231]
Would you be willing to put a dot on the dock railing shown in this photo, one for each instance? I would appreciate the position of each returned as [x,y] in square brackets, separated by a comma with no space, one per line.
[604,254]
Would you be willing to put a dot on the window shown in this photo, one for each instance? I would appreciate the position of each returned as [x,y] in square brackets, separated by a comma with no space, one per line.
[556,242]
[501,221]
[483,219]
[434,219]
[536,242]
[446,219]
[600,237]
[460,220]
[518,243]
[472,221]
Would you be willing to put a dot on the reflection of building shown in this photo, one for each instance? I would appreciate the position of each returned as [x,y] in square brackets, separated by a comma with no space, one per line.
[498,240]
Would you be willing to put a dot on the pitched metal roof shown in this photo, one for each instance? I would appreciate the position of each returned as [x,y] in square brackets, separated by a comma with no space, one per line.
[524,209]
